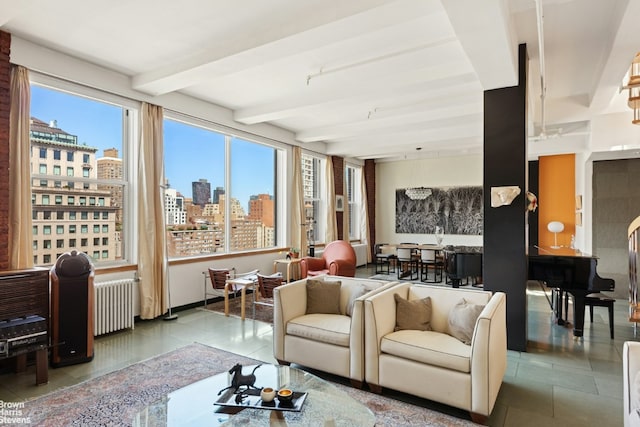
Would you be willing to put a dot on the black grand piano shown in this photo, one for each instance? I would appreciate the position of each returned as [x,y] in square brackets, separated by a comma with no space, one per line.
[568,270]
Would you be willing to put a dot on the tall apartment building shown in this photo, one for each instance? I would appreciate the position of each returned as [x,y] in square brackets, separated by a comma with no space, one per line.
[311,190]
[110,169]
[201,190]
[310,166]
[68,214]
[244,234]
[174,211]
[217,193]
[262,208]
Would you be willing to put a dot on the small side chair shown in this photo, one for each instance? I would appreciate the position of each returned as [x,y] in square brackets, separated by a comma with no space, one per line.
[266,285]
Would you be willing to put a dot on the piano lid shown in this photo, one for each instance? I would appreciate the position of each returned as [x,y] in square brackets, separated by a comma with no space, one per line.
[563,252]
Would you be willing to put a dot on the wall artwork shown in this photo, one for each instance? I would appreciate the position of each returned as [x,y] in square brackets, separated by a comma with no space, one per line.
[459,210]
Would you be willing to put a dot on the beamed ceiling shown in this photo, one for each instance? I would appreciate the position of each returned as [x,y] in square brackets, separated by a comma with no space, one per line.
[369,79]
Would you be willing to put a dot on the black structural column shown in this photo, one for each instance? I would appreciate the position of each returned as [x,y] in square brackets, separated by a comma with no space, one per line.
[505,164]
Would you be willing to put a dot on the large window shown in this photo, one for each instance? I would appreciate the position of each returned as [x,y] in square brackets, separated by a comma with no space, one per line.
[220,191]
[83,138]
[353,184]
[313,189]
[252,195]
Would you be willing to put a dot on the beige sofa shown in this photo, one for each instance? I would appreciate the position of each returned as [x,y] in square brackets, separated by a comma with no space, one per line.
[433,364]
[331,343]
[631,383]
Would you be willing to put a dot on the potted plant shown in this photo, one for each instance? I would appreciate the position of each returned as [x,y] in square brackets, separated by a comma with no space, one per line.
[294,252]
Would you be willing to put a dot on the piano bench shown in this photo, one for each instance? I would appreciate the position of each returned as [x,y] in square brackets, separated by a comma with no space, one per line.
[600,300]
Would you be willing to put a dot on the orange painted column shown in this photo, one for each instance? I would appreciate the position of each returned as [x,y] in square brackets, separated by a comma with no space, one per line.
[557,187]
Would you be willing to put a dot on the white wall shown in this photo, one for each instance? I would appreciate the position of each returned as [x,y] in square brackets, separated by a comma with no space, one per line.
[459,171]
[614,131]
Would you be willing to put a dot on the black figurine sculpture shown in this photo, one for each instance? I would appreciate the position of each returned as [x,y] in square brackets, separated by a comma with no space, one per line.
[238,380]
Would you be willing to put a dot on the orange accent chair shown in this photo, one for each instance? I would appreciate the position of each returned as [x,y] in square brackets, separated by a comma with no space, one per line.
[338,259]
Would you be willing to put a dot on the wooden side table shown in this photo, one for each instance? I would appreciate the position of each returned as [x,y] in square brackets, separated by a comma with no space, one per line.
[243,284]
[289,263]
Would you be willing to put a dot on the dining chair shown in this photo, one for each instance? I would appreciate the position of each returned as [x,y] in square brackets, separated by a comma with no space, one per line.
[266,285]
[383,259]
[407,263]
[430,260]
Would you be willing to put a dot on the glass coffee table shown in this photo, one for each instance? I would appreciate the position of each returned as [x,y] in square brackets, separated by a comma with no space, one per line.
[195,404]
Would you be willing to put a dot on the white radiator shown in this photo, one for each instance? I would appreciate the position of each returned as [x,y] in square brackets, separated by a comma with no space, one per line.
[113,309]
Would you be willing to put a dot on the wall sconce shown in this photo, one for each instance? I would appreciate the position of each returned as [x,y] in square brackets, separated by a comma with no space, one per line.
[502,196]
[555,227]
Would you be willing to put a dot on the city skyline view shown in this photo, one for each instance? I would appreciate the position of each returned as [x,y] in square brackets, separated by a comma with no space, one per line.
[191,153]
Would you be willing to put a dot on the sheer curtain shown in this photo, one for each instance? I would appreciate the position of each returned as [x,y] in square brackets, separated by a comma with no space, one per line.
[364,212]
[331,232]
[20,225]
[152,258]
[297,226]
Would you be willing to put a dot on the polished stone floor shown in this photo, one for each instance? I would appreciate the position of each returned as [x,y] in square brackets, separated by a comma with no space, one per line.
[558,381]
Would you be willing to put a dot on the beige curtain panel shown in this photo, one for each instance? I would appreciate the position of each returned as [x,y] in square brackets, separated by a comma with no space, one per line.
[152,259]
[20,225]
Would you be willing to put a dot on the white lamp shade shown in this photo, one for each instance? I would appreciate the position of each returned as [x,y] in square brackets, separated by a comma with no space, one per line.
[555,227]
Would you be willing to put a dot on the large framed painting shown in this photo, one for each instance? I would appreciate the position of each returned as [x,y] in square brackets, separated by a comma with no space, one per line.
[458,210]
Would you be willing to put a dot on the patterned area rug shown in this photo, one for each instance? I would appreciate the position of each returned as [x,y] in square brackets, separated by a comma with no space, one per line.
[263,313]
[114,399]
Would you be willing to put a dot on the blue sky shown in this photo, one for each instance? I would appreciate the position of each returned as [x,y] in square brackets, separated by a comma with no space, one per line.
[191,153]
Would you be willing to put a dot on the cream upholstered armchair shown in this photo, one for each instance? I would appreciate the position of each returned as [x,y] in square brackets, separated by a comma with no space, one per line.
[338,259]
[321,327]
[464,371]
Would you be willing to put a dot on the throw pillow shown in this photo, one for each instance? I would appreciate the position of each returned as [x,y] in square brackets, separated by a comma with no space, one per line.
[413,315]
[356,292]
[462,320]
[323,296]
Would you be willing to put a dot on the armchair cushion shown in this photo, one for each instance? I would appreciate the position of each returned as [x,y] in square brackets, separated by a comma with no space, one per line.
[323,296]
[327,328]
[413,315]
[462,320]
[428,347]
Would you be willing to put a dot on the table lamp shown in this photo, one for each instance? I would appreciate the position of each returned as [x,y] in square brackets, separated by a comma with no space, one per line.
[555,227]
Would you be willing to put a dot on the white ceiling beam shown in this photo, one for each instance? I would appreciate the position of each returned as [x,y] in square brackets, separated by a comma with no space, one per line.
[307,33]
[389,121]
[414,136]
[424,127]
[387,151]
[485,32]
[434,78]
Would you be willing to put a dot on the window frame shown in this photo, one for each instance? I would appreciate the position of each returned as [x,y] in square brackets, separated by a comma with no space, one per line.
[282,153]
[353,198]
[320,187]
[126,229]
